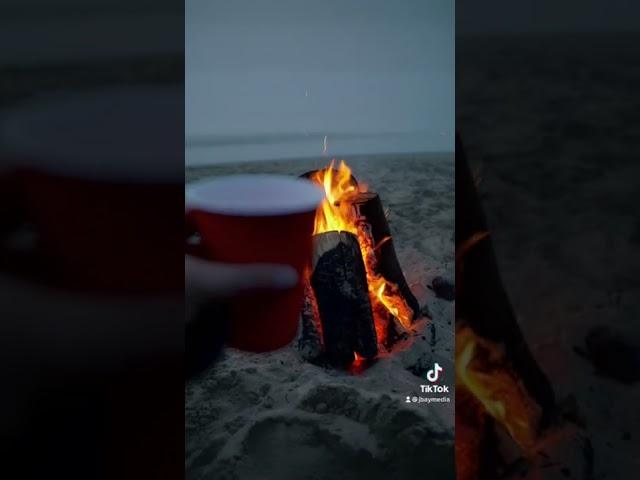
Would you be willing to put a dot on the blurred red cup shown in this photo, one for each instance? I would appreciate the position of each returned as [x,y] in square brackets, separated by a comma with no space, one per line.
[258,219]
[99,176]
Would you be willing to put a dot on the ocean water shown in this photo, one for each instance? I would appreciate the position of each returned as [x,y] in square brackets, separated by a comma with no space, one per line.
[203,151]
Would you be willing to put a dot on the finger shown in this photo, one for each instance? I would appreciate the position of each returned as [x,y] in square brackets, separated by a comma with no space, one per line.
[218,280]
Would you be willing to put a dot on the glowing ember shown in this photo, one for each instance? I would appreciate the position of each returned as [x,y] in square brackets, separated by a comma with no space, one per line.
[337,213]
[482,370]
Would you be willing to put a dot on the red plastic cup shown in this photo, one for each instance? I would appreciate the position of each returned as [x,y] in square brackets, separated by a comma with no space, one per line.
[100,176]
[258,219]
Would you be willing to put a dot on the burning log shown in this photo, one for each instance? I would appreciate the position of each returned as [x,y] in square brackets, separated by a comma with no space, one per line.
[494,365]
[482,300]
[369,206]
[339,281]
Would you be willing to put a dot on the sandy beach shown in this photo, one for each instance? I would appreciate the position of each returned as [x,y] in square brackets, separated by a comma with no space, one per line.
[274,415]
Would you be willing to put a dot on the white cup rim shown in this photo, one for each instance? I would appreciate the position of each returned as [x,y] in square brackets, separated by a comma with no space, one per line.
[254,195]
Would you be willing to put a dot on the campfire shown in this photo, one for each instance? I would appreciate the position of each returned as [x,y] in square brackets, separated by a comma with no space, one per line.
[505,427]
[503,399]
[358,300]
[508,423]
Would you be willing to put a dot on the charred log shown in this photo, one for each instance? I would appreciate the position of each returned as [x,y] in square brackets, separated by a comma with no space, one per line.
[310,339]
[370,207]
[339,283]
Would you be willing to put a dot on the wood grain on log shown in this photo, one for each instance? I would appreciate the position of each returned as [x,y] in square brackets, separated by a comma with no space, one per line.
[339,283]
[310,339]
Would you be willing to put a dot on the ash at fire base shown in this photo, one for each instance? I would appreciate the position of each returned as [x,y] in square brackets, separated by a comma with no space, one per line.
[276,415]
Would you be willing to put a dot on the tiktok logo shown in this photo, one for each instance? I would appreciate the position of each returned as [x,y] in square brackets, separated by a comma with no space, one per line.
[434,374]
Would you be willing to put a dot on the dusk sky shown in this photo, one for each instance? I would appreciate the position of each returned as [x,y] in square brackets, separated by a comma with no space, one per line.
[372,75]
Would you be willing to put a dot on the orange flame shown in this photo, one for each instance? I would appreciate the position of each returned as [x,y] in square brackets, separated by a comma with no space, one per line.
[482,370]
[337,213]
